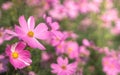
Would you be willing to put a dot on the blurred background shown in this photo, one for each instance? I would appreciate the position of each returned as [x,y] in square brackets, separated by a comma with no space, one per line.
[96,22]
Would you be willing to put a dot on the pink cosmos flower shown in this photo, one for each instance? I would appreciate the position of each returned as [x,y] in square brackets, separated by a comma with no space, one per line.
[29,34]
[83,6]
[7,5]
[45,56]
[62,67]
[58,12]
[70,34]
[71,49]
[72,8]
[9,34]
[18,57]
[31,73]
[83,51]
[110,15]
[60,48]
[55,35]
[32,2]
[93,7]
[86,42]
[116,29]
[110,65]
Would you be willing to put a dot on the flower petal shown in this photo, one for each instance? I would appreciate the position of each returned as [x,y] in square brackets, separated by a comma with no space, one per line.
[31,23]
[23,23]
[41,31]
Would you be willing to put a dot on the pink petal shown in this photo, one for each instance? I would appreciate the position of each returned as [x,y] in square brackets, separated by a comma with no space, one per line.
[7,50]
[41,31]
[23,23]
[17,63]
[63,73]
[55,67]
[55,26]
[32,42]
[20,46]
[31,23]
[60,61]
[19,31]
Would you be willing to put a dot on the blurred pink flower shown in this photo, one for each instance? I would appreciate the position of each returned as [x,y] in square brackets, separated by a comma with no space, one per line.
[93,7]
[83,6]
[116,29]
[31,73]
[3,63]
[62,67]
[110,65]
[83,51]
[32,2]
[18,57]
[86,42]
[60,48]
[70,34]
[28,33]
[71,49]
[9,34]
[72,8]
[56,38]
[7,5]
[58,12]
[45,56]
[110,15]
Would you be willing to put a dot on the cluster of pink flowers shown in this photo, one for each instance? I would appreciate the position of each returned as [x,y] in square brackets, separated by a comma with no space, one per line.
[49,32]
[5,35]
[30,35]
[111,63]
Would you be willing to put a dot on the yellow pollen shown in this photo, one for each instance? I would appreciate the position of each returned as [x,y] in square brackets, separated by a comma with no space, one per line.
[63,67]
[70,50]
[30,34]
[15,55]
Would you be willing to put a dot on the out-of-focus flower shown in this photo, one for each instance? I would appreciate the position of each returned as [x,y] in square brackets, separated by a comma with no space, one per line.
[3,63]
[110,65]
[9,34]
[63,67]
[60,48]
[55,35]
[71,49]
[116,29]
[7,5]
[83,6]
[58,12]
[93,7]
[86,42]
[18,57]
[45,56]
[31,73]
[108,17]
[70,34]
[32,2]
[72,8]
[83,51]
[29,34]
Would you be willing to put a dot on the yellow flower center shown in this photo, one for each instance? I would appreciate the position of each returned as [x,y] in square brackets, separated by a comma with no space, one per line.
[70,50]
[63,67]
[15,55]
[30,33]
